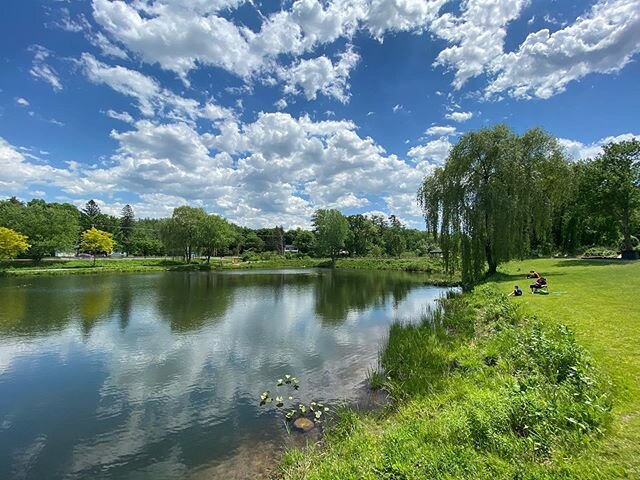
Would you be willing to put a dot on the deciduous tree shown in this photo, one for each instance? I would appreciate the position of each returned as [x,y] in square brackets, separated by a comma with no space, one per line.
[50,227]
[618,184]
[12,243]
[182,229]
[493,196]
[96,241]
[214,234]
[331,229]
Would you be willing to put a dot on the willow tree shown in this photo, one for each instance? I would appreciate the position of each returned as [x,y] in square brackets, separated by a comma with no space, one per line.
[494,195]
[181,231]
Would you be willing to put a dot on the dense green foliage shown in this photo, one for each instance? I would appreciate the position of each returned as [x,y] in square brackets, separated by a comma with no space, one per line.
[480,391]
[501,196]
[331,229]
[191,232]
[616,189]
[214,235]
[50,227]
[494,197]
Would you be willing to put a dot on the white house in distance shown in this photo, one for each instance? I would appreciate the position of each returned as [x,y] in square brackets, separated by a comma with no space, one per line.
[290,249]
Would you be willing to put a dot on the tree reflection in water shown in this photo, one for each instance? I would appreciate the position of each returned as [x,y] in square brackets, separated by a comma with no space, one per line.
[340,292]
[169,365]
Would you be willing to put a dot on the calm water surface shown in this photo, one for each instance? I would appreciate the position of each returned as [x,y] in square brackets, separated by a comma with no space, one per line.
[154,376]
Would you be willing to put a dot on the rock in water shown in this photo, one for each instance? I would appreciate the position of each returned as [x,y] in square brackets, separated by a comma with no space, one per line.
[303,424]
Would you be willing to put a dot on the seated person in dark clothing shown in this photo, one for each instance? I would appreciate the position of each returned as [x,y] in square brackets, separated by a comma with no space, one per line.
[517,292]
[533,274]
[541,282]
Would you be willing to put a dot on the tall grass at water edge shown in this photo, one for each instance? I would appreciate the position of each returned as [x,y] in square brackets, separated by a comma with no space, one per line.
[479,390]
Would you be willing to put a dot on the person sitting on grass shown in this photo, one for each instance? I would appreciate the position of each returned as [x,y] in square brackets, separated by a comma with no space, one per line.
[533,274]
[540,283]
[517,292]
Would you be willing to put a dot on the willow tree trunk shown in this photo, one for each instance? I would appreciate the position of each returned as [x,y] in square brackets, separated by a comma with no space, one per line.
[491,260]
[626,231]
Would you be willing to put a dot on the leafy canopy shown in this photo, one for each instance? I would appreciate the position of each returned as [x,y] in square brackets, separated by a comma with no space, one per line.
[331,228]
[97,241]
[494,197]
[214,234]
[12,243]
[617,189]
[50,227]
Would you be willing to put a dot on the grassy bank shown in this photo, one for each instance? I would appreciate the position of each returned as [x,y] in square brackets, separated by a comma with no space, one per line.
[74,266]
[499,387]
[71,267]
[598,300]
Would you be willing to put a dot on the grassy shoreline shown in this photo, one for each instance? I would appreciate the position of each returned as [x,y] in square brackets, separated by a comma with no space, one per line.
[479,394]
[431,267]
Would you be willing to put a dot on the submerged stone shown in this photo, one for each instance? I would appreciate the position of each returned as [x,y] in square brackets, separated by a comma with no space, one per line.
[303,424]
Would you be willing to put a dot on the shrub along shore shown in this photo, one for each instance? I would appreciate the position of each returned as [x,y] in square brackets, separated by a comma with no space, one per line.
[502,388]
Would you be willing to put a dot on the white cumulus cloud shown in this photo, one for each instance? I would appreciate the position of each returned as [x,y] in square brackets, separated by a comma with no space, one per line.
[602,41]
[459,116]
[440,130]
[321,75]
[476,36]
[581,151]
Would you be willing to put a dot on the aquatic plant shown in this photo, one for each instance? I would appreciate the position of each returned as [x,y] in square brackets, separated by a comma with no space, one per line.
[291,407]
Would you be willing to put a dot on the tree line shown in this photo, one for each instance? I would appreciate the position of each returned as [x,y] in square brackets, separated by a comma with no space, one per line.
[38,229]
[501,195]
[498,196]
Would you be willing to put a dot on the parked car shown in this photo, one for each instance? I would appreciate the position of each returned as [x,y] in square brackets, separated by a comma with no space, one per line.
[83,255]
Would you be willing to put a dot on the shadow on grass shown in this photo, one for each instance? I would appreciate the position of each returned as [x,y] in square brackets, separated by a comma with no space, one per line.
[592,261]
[165,263]
[503,277]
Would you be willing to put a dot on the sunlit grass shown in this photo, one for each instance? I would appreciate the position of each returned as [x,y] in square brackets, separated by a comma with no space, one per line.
[487,390]
[600,301]
[480,391]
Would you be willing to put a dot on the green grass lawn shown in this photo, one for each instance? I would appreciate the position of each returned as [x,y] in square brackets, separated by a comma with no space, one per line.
[600,301]
[498,388]
[76,266]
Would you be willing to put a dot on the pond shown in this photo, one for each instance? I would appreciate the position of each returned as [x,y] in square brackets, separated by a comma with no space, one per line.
[154,376]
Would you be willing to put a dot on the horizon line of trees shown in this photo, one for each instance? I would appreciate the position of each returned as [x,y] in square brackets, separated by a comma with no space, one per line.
[498,196]
[49,229]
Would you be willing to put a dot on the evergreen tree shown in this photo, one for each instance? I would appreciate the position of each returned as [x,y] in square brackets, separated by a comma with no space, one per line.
[90,215]
[127,222]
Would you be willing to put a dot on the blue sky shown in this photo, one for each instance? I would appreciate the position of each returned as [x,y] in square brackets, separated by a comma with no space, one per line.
[265,111]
